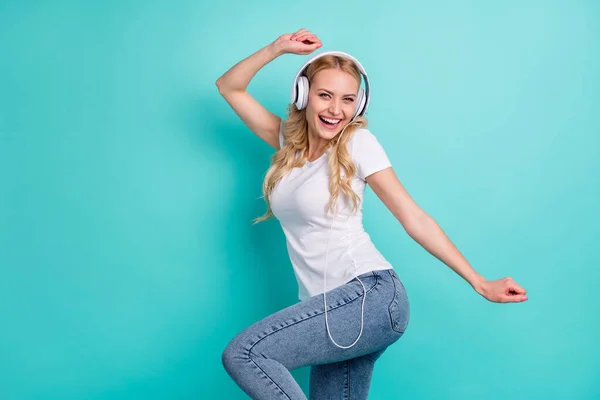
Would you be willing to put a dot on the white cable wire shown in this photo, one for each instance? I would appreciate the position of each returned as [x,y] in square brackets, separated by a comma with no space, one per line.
[325,278]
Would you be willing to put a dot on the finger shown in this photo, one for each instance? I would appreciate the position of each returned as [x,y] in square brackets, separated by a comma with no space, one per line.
[514,298]
[297,33]
[305,33]
[312,47]
[312,42]
[514,288]
[519,288]
[510,284]
[304,36]
[311,39]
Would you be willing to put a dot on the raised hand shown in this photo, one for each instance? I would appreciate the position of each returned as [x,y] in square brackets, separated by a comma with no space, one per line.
[301,42]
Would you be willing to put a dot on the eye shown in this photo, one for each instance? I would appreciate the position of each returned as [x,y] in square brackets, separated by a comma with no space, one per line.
[324,95]
[350,99]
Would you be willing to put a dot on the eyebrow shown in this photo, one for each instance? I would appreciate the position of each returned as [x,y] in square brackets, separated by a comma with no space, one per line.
[330,92]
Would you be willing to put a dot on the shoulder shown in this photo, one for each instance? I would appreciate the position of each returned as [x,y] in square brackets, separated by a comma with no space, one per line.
[362,133]
[361,139]
[367,153]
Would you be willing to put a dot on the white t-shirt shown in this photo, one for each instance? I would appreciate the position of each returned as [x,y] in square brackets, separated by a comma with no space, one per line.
[299,202]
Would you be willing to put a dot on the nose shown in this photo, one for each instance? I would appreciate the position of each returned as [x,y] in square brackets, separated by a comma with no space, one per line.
[335,107]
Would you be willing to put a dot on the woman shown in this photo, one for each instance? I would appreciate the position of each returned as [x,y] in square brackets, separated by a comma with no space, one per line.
[353,304]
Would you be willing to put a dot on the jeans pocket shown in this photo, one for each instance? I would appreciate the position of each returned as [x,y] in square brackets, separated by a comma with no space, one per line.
[399,308]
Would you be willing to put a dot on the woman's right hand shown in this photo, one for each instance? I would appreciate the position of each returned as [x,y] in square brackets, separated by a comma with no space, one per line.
[301,42]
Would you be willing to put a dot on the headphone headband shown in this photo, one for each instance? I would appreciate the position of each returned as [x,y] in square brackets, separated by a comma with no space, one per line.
[295,89]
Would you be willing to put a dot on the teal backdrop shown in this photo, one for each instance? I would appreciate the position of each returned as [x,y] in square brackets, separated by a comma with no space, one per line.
[127,188]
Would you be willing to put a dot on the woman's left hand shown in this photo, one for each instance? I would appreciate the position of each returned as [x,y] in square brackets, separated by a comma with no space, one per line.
[502,291]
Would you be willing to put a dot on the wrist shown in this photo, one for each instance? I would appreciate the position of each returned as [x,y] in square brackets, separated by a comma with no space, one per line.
[275,49]
[478,284]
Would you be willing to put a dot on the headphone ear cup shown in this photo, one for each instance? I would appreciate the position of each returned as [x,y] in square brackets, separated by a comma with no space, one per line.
[302,88]
[360,102]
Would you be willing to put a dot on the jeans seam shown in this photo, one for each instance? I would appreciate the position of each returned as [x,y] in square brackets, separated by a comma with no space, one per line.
[268,377]
[347,392]
[395,300]
[348,377]
[395,288]
[393,325]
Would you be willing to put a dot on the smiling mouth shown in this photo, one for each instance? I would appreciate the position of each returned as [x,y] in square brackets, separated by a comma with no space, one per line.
[331,122]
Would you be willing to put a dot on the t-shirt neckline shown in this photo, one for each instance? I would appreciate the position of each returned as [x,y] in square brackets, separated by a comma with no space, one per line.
[311,163]
[318,160]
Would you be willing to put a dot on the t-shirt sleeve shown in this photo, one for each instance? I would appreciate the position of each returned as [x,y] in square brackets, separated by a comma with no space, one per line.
[368,154]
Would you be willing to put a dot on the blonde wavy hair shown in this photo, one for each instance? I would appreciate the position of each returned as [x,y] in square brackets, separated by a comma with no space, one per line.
[295,135]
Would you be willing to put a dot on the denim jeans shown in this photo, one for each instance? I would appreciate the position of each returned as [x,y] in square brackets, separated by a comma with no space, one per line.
[259,358]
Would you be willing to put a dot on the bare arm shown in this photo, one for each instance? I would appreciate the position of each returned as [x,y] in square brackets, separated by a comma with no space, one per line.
[232,86]
[233,83]
[424,230]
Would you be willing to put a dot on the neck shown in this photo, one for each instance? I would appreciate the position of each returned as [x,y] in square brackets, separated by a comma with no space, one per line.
[316,146]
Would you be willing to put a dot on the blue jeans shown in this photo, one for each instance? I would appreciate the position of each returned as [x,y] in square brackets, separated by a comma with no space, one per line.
[259,359]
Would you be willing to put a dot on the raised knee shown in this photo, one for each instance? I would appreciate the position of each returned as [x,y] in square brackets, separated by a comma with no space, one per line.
[233,356]
[228,357]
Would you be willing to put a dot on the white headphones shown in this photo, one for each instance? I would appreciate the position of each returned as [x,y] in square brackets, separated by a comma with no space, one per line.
[299,98]
[300,87]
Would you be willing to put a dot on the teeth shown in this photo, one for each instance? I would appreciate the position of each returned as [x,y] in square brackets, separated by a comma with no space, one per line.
[331,121]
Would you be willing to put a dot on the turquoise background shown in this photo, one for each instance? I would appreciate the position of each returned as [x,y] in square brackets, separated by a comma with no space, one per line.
[127,189]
